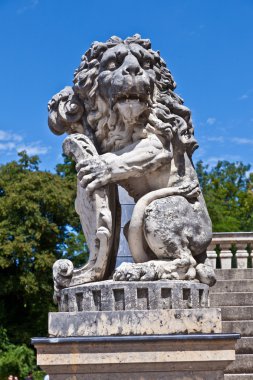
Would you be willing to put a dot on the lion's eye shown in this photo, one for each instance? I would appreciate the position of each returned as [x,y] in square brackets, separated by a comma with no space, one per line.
[186,133]
[146,64]
[111,65]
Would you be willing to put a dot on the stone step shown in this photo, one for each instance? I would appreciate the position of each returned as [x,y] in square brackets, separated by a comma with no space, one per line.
[244,345]
[239,376]
[243,364]
[225,286]
[231,299]
[234,274]
[233,313]
[245,328]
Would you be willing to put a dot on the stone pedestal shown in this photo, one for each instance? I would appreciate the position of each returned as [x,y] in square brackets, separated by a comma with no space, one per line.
[135,331]
[159,357]
[134,308]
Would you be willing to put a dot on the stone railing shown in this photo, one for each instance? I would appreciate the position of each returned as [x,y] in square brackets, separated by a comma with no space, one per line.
[231,250]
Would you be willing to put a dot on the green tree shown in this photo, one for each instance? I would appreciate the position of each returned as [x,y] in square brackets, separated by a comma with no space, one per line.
[227,189]
[38,225]
[75,241]
[16,360]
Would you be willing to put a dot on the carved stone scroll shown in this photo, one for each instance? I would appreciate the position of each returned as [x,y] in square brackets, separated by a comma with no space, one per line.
[97,212]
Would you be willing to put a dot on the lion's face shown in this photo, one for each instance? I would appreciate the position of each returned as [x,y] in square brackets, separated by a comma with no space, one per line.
[126,76]
[122,89]
[125,87]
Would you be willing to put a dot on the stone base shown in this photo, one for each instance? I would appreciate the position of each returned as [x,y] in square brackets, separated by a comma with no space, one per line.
[134,308]
[134,322]
[163,357]
[134,295]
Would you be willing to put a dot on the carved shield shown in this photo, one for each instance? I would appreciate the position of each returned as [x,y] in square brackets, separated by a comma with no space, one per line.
[99,214]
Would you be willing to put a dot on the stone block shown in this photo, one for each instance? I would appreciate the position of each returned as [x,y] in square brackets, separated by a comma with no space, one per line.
[245,328]
[134,322]
[173,357]
[233,286]
[239,376]
[242,364]
[233,274]
[178,375]
[123,259]
[232,313]
[244,345]
[123,247]
[231,299]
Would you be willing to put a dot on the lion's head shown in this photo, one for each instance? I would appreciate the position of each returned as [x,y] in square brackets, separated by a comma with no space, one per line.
[122,91]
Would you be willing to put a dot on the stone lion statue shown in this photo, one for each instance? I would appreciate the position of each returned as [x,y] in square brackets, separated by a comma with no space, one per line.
[128,127]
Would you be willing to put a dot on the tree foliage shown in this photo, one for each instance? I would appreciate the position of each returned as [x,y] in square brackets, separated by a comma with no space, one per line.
[16,360]
[227,189]
[38,225]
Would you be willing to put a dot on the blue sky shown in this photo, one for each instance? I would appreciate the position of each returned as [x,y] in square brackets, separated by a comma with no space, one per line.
[208,46]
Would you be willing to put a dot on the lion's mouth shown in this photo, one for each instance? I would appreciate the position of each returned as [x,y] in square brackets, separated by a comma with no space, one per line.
[131,98]
[132,107]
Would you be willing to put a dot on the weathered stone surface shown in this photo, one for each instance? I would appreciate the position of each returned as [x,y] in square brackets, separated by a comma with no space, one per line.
[132,308]
[170,357]
[237,376]
[134,322]
[178,375]
[245,328]
[100,228]
[244,345]
[237,315]
[232,313]
[234,274]
[178,269]
[237,286]
[231,299]
[128,127]
[242,364]
[145,295]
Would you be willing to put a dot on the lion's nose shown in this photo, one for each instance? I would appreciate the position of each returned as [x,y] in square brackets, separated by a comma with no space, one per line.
[131,66]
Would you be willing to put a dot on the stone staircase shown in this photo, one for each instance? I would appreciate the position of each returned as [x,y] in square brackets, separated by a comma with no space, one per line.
[233,293]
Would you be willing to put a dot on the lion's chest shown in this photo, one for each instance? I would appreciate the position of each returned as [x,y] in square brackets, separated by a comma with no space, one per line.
[139,186]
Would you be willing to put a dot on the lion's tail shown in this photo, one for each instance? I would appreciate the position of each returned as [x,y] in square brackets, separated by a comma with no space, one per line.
[136,238]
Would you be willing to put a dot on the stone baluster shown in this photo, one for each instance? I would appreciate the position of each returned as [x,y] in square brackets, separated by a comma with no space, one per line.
[212,255]
[226,255]
[241,255]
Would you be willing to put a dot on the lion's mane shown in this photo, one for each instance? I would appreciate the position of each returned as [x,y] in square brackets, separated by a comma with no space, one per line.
[101,120]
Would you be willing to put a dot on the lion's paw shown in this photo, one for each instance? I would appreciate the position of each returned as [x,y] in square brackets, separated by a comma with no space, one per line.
[127,272]
[135,272]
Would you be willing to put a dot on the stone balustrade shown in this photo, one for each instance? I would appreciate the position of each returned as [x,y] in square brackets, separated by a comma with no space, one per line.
[231,250]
